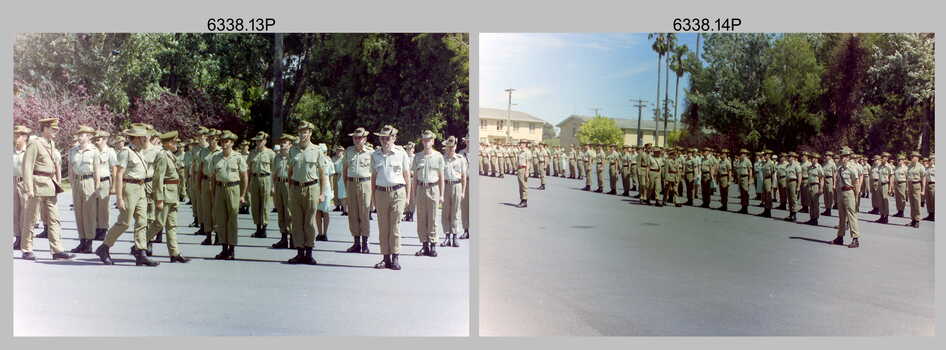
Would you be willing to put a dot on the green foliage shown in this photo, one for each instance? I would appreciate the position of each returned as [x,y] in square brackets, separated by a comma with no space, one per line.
[548,131]
[600,130]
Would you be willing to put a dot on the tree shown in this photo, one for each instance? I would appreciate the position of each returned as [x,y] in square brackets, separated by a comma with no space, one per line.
[678,68]
[670,46]
[660,47]
[548,131]
[601,130]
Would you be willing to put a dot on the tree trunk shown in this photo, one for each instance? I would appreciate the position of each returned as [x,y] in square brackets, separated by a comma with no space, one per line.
[277,86]
[666,97]
[657,102]
[676,102]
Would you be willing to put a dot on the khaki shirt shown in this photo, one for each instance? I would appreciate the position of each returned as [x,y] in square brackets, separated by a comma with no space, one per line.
[307,163]
[165,168]
[725,168]
[900,173]
[828,170]
[847,174]
[83,160]
[389,167]
[261,162]
[815,172]
[18,162]
[916,173]
[41,155]
[206,161]
[150,155]
[281,166]
[426,168]
[792,170]
[455,167]
[134,164]
[227,168]
[358,163]
[523,158]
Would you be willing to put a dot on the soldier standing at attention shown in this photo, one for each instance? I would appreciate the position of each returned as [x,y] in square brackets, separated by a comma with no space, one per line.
[260,162]
[390,174]
[815,184]
[613,158]
[626,171]
[589,158]
[654,187]
[196,178]
[543,158]
[792,174]
[166,182]
[931,189]
[523,160]
[465,204]
[828,170]
[768,179]
[757,167]
[581,161]
[572,162]
[601,161]
[690,167]
[85,171]
[803,189]
[411,205]
[885,179]
[356,170]
[916,175]
[781,172]
[130,194]
[206,186]
[708,175]
[228,172]
[21,135]
[455,181]
[281,189]
[674,169]
[427,169]
[307,180]
[725,171]
[900,189]
[847,180]
[874,185]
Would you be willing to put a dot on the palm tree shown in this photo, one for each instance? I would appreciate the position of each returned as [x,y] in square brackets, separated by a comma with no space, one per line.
[660,48]
[670,43]
[678,69]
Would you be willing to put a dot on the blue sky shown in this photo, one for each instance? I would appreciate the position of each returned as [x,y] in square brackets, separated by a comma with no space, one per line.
[556,74]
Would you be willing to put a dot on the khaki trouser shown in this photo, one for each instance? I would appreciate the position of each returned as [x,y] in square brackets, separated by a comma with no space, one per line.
[791,189]
[572,167]
[85,208]
[426,197]
[166,220]
[465,206]
[359,202]
[767,193]
[743,191]
[303,203]
[494,165]
[829,192]
[814,191]
[46,208]
[670,195]
[875,197]
[390,204]
[847,219]
[207,205]
[451,208]
[588,176]
[101,205]
[654,185]
[260,200]
[542,172]
[626,179]
[883,198]
[900,194]
[77,204]
[226,207]
[599,169]
[690,187]
[930,197]
[19,204]
[195,197]
[523,180]
[803,193]
[724,190]
[613,177]
[782,193]
[135,208]
[705,189]
[281,201]
[915,189]
[581,170]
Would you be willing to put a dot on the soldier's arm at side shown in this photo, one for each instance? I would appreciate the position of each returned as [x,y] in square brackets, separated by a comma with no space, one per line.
[120,187]
[157,180]
[323,179]
[29,157]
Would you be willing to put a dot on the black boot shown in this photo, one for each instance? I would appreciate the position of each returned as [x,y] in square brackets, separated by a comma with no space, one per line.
[854,244]
[599,190]
[194,224]
[262,233]
[453,241]
[423,251]
[838,241]
[524,203]
[28,256]
[217,239]
[813,222]
[141,259]
[102,252]
[256,234]
[914,223]
[200,231]
[432,252]
[874,211]
[446,240]
[159,238]
[299,258]
[466,234]
[364,245]
[63,256]
[542,187]
[45,233]
[180,259]
[344,212]
[791,217]
[384,263]
[766,213]
[355,247]
[208,240]
[394,264]
[16,243]
[224,252]
[283,243]
[929,217]
[626,193]
[880,220]
[826,212]
[899,214]
[322,238]
[586,188]
[309,259]
[803,210]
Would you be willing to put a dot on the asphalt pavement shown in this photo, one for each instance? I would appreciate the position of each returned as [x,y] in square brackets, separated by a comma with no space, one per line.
[584,263]
[257,294]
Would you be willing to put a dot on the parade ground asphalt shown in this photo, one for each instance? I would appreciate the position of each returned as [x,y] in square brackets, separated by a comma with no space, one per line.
[256,294]
[584,263]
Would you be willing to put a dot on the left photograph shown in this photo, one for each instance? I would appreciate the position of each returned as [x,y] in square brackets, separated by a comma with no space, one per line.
[197,184]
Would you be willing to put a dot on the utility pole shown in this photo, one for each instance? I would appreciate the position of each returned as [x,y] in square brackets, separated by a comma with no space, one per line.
[509,115]
[596,109]
[640,104]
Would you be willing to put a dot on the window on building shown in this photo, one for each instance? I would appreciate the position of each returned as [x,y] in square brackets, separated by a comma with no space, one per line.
[499,124]
[516,126]
[532,127]
[483,123]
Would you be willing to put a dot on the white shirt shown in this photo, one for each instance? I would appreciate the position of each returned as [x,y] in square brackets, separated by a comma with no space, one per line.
[83,160]
[389,167]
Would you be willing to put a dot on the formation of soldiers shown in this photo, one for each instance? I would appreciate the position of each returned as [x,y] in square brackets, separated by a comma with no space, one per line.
[799,182]
[156,172]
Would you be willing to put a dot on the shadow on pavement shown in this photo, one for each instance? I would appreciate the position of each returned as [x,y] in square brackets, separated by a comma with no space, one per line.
[811,240]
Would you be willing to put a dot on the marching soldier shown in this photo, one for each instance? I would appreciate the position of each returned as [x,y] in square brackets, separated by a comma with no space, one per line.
[916,175]
[21,135]
[455,180]
[86,181]
[828,170]
[390,175]
[308,179]
[847,179]
[523,160]
[357,174]
[130,194]
[166,184]
[792,174]
[260,162]
[900,189]
[427,169]
[41,185]
[815,184]
[228,171]
[281,189]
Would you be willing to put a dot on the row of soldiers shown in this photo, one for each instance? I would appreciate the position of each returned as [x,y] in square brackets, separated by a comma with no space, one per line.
[150,180]
[675,176]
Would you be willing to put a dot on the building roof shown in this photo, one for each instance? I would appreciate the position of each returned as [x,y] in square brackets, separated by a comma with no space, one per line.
[621,122]
[496,113]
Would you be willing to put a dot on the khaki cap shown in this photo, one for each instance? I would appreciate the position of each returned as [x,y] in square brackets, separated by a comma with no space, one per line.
[227,135]
[22,129]
[427,134]
[169,136]
[387,130]
[359,132]
[50,123]
[450,141]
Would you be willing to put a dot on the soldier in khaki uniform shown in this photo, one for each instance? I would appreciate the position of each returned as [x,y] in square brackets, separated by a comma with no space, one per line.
[847,180]
[792,175]
[465,204]
[85,183]
[206,186]
[916,175]
[166,184]
[523,160]
[625,160]
[196,176]
[542,159]
[815,185]
[281,189]
[726,171]
[228,170]
[21,135]
[130,194]
[427,169]
[900,187]
[107,159]
[931,189]
[654,182]
[828,170]
[589,164]
[885,179]
[390,174]
[613,158]
[674,170]
[356,170]
[260,162]
[581,161]
[803,182]
[454,175]
[768,182]
[40,188]
[707,175]
[307,188]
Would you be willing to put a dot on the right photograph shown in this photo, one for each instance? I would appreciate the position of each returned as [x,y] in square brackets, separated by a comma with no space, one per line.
[706,184]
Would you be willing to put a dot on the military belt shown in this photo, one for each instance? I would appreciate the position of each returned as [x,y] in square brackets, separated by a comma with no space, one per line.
[792,180]
[86,177]
[133,181]
[172,181]
[228,184]
[304,184]
[389,189]
[359,179]
[847,188]
[107,178]
[425,184]
[42,173]
[261,174]
[147,179]
[452,182]
[916,182]
[900,182]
